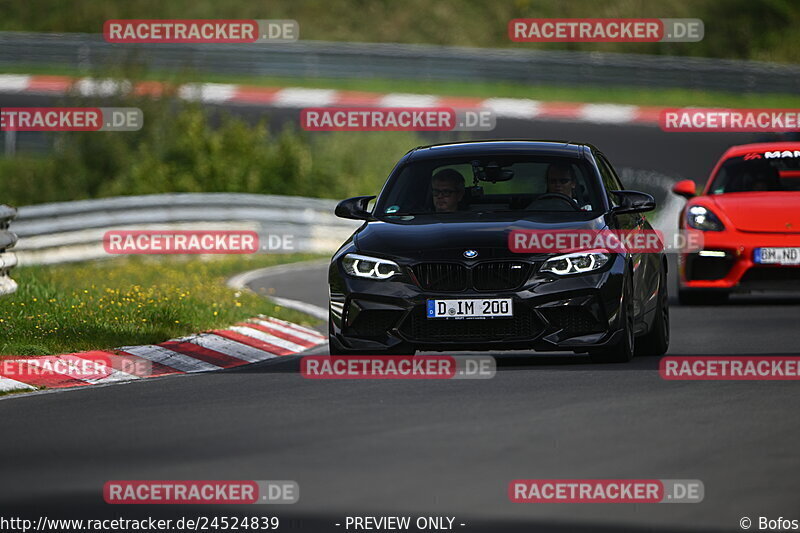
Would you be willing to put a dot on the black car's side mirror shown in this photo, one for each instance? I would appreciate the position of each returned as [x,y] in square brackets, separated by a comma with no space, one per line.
[354,208]
[633,202]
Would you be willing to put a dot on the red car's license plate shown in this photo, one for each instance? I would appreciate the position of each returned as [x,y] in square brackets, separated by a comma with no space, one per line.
[777,256]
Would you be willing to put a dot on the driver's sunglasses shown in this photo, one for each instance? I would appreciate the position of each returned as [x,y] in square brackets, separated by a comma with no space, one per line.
[560,181]
[444,192]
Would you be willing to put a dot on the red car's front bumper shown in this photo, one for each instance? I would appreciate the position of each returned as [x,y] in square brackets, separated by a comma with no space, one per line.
[737,270]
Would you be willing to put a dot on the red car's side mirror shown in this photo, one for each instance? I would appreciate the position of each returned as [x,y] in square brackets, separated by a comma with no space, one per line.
[685,188]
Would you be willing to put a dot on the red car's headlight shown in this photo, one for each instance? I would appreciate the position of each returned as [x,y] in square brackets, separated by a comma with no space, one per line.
[702,218]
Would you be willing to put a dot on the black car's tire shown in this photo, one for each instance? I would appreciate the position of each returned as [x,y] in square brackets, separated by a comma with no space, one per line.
[656,341]
[623,350]
[701,297]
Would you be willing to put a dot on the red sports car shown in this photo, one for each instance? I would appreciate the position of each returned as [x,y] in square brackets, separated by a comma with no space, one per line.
[749,213]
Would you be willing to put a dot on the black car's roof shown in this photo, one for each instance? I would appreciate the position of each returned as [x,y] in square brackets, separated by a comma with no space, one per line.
[467,148]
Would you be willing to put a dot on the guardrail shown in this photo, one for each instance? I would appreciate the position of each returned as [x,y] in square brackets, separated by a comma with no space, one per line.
[7,259]
[319,59]
[73,231]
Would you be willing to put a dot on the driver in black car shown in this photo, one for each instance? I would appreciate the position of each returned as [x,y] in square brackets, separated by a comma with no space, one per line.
[561,180]
[447,187]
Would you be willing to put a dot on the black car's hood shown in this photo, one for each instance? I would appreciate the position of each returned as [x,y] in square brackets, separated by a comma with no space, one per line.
[430,237]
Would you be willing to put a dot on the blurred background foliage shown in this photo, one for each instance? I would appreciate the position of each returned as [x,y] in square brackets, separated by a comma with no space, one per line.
[184,147]
[767,30]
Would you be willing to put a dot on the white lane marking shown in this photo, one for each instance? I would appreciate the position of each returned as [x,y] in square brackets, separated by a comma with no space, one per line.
[113,375]
[8,384]
[266,337]
[408,100]
[240,281]
[294,326]
[207,92]
[608,113]
[14,83]
[299,97]
[513,107]
[309,309]
[228,347]
[164,356]
[289,331]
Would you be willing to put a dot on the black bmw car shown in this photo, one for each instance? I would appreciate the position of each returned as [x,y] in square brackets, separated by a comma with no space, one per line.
[431,268]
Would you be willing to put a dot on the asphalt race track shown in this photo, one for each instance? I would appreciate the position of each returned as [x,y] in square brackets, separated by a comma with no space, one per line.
[444,448]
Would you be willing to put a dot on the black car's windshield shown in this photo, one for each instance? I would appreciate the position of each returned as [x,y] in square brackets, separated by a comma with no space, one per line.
[477,185]
[757,173]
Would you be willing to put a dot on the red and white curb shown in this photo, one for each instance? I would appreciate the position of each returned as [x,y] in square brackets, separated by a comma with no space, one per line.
[252,341]
[298,97]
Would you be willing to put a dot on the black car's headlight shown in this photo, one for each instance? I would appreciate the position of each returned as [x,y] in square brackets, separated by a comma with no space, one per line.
[362,266]
[702,218]
[576,262]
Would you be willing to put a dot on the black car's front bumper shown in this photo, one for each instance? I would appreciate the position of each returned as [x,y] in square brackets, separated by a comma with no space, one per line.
[575,313]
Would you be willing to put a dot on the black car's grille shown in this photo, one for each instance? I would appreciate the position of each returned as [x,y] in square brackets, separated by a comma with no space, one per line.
[374,323]
[488,276]
[523,325]
[441,276]
[499,275]
[573,321]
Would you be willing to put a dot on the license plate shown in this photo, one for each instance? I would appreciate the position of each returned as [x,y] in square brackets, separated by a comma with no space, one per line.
[777,256]
[472,308]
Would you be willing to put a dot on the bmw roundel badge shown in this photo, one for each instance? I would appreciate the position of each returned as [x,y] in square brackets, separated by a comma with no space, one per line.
[470,254]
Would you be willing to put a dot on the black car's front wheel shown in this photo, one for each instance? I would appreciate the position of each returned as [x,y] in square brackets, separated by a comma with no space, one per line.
[623,350]
[656,341]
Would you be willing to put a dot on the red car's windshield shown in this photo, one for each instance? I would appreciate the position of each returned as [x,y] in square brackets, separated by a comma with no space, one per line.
[757,172]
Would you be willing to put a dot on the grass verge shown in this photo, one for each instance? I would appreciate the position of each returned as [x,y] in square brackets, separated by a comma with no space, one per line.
[131,300]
